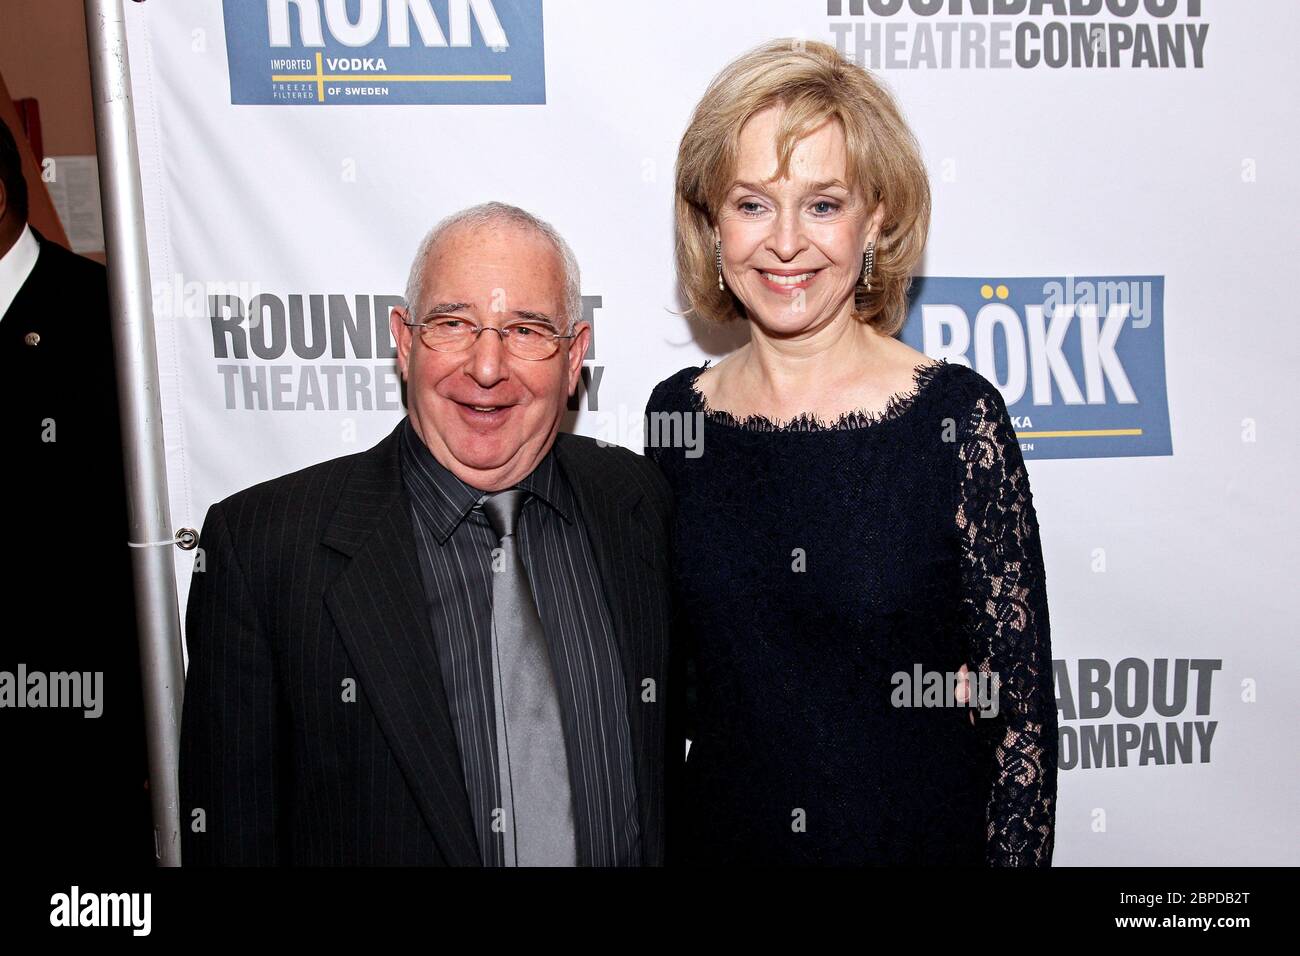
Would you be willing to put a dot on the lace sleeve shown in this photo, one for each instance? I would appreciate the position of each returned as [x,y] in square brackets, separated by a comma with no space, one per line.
[1004,613]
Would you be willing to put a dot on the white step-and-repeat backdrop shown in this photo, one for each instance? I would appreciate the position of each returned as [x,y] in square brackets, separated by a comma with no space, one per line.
[1115,200]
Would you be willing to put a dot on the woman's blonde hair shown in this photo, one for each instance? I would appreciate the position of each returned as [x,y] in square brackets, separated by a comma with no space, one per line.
[814,83]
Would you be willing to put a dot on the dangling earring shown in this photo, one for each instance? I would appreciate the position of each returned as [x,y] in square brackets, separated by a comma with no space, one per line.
[717,255]
[868,264]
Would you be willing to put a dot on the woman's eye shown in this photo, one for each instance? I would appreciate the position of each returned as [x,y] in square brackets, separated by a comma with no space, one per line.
[750,208]
[824,207]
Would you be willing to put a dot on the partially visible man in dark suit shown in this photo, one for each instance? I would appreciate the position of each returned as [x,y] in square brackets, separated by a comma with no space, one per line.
[451,648]
[74,791]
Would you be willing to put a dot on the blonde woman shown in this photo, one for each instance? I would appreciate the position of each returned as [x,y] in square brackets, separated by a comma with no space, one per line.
[856,552]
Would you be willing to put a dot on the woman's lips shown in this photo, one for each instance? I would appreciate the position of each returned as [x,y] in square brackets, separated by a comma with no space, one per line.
[787,283]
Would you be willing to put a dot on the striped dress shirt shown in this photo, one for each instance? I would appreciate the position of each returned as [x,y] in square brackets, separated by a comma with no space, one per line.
[454,542]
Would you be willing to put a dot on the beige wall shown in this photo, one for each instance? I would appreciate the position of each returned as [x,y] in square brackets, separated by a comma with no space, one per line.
[43,55]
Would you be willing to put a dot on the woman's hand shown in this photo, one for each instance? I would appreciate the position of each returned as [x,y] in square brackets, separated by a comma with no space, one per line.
[963,689]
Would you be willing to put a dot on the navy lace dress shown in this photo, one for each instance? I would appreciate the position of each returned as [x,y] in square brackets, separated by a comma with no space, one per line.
[821,569]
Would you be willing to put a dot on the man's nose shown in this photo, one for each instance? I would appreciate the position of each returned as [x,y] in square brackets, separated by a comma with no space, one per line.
[487,360]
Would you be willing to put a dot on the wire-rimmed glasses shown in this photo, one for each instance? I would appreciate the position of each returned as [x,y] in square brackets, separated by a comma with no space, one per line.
[529,339]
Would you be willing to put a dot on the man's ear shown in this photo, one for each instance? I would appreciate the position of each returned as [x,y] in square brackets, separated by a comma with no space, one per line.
[402,335]
[577,351]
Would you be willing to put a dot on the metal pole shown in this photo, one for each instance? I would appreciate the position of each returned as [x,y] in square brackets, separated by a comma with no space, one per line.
[157,617]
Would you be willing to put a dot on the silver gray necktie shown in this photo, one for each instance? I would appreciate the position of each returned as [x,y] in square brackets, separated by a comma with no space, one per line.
[532,765]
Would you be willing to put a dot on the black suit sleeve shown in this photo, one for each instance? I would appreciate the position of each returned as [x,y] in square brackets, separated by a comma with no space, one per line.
[682,667]
[230,727]
[680,722]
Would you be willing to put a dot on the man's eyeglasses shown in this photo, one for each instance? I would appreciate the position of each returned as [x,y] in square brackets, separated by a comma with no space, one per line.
[530,339]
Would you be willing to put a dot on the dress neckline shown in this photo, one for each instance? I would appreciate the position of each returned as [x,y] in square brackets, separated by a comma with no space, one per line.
[894,408]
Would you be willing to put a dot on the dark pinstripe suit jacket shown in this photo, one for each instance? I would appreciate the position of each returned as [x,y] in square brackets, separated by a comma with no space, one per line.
[315,727]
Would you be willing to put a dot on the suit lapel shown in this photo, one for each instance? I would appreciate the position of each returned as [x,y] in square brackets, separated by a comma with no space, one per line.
[27,302]
[378,606]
